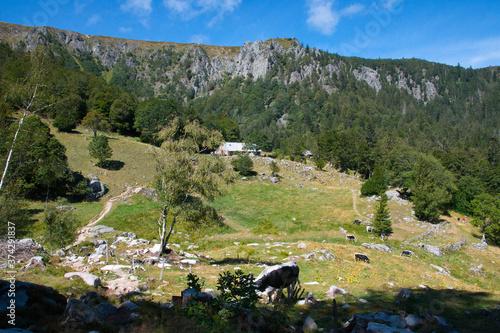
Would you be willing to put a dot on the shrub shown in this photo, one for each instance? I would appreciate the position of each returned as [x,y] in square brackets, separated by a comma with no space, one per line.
[244,165]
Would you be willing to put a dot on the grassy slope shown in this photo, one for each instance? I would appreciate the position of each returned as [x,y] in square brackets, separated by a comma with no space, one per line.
[310,208]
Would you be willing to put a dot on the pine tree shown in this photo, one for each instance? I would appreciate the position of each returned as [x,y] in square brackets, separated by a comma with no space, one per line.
[382,220]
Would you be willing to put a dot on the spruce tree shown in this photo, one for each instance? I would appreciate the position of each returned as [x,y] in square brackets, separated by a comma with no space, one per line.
[382,220]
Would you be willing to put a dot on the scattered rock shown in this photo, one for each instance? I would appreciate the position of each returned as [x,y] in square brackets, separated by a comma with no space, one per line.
[65,208]
[102,229]
[301,245]
[378,247]
[89,279]
[129,306]
[309,324]
[481,246]
[334,290]
[432,249]
[321,255]
[405,294]
[35,261]
[440,269]
[413,321]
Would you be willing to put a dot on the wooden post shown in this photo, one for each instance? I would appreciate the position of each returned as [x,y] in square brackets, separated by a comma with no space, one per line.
[335,316]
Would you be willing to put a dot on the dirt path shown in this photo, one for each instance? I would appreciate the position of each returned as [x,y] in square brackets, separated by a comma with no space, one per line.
[354,197]
[83,232]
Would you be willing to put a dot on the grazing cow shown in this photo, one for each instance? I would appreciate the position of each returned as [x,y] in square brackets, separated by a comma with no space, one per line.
[370,228]
[358,222]
[362,257]
[350,238]
[407,253]
[278,277]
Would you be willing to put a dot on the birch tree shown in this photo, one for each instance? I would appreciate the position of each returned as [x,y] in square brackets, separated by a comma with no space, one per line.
[186,178]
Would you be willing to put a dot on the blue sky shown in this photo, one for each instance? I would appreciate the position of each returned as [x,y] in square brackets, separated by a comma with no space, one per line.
[451,32]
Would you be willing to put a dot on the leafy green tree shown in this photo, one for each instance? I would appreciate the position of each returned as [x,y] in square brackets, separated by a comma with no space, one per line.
[376,185]
[274,168]
[244,165]
[229,128]
[486,209]
[185,178]
[382,219]
[38,160]
[432,188]
[121,113]
[60,226]
[260,140]
[153,114]
[320,163]
[99,149]
[96,122]
[65,122]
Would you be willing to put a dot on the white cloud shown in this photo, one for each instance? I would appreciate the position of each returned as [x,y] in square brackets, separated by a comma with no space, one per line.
[322,17]
[125,29]
[390,4]
[188,9]
[199,39]
[139,7]
[353,9]
[94,19]
[79,6]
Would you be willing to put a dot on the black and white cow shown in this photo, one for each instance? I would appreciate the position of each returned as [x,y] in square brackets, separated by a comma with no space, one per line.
[350,238]
[278,277]
[362,257]
[407,253]
[357,221]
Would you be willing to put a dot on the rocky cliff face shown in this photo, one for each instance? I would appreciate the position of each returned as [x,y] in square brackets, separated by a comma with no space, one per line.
[201,68]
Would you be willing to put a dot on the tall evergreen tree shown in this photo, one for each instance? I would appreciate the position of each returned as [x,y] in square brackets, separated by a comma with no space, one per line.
[382,221]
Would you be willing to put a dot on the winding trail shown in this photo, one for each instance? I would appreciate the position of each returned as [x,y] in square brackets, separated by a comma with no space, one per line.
[84,231]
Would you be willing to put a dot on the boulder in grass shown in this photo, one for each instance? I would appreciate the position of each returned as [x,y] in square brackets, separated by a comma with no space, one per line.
[89,279]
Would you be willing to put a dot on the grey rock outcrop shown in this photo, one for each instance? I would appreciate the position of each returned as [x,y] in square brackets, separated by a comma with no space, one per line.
[209,65]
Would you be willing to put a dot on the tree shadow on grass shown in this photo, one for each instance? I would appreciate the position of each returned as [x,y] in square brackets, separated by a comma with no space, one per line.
[467,311]
[113,165]
[244,261]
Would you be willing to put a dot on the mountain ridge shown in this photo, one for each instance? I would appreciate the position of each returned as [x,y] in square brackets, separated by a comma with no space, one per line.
[201,67]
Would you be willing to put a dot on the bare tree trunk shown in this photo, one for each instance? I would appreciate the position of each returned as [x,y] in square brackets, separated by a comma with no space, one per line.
[163,230]
[26,111]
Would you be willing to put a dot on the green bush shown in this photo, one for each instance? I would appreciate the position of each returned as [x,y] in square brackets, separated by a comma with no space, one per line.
[376,185]
[244,165]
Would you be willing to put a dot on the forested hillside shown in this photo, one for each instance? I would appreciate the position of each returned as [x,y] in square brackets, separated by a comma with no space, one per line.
[411,117]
